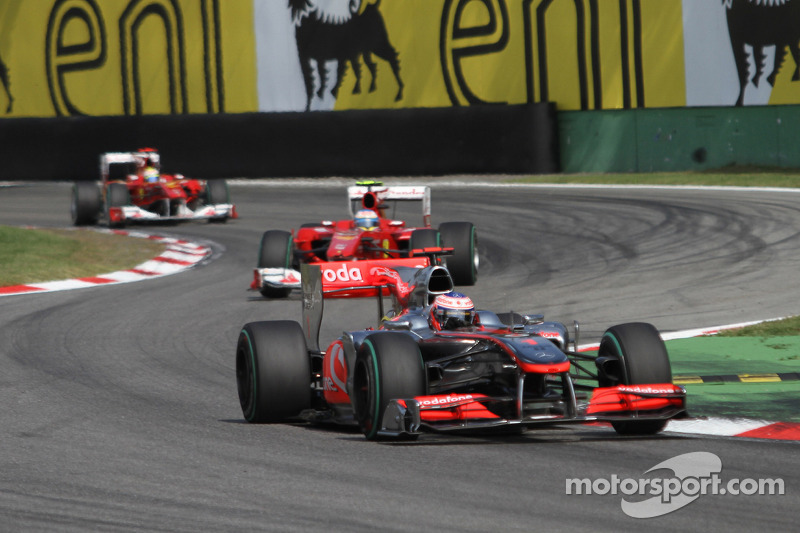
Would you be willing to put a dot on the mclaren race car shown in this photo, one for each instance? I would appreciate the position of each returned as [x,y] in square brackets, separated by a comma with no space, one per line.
[501,371]
[369,233]
[133,189]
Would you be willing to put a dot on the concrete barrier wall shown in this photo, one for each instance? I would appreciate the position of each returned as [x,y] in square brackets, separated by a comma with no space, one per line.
[414,142]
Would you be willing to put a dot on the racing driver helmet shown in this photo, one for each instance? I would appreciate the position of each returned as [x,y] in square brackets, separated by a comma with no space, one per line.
[367,220]
[150,174]
[452,310]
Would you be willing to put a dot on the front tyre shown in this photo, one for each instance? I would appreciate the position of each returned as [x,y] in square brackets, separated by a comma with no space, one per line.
[273,371]
[275,251]
[463,264]
[388,366]
[639,357]
[217,192]
[87,203]
[117,195]
[423,238]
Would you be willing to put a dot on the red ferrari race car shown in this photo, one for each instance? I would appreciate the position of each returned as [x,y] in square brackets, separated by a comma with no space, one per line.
[133,189]
[369,233]
[437,364]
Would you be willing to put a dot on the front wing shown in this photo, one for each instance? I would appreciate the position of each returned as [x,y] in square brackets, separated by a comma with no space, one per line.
[458,412]
[133,213]
[276,278]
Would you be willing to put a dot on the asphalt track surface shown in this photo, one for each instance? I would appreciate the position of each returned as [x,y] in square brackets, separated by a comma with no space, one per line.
[119,403]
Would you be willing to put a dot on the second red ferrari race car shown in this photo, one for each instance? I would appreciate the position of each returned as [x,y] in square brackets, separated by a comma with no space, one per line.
[133,189]
[437,364]
[369,233]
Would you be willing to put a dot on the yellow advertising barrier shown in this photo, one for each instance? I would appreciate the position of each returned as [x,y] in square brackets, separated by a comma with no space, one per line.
[580,53]
[126,57]
[134,57]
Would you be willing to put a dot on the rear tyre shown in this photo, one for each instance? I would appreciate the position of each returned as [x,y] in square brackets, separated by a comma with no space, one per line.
[87,203]
[117,195]
[273,371]
[463,264]
[423,238]
[275,251]
[640,357]
[388,366]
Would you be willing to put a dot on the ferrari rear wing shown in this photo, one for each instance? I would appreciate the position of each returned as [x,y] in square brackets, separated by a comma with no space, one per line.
[373,195]
[119,158]
[410,282]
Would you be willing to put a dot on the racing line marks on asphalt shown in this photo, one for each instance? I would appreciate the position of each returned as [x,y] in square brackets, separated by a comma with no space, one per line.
[179,256]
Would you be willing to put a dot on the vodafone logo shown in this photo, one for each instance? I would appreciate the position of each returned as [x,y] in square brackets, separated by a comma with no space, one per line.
[444,400]
[549,334]
[342,274]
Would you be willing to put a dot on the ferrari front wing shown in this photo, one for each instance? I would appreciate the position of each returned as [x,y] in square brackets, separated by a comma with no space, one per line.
[133,213]
[276,278]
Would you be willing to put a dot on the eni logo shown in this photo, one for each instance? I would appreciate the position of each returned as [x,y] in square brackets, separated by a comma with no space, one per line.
[472,30]
[460,40]
[88,50]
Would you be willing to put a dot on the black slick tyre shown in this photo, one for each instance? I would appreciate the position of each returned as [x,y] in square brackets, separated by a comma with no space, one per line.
[463,264]
[217,192]
[641,358]
[87,203]
[388,366]
[273,371]
[275,251]
[423,238]
[117,195]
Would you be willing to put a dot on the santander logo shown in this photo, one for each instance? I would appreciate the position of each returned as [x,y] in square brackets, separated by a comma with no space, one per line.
[342,274]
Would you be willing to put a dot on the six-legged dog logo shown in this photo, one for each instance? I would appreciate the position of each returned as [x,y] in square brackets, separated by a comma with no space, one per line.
[759,24]
[345,31]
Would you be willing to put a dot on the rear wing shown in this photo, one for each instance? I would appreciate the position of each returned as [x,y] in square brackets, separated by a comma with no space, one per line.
[375,196]
[411,282]
[129,159]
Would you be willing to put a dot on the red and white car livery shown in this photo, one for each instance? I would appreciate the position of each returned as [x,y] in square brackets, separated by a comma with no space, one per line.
[133,189]
[406,377]
[282,252]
